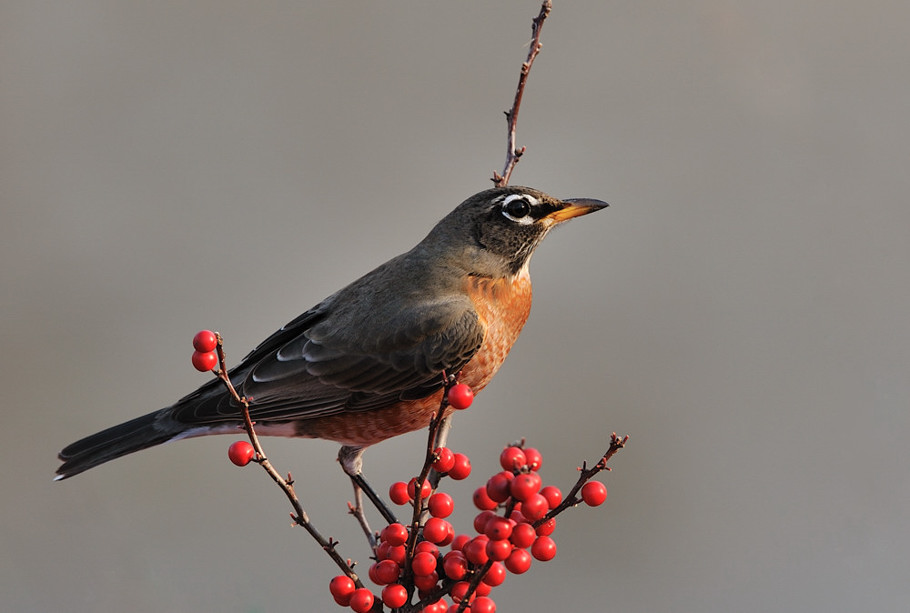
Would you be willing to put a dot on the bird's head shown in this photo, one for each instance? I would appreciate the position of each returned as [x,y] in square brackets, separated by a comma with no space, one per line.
[498,229]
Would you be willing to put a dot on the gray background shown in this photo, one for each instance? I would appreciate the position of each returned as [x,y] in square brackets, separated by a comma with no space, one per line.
[741,310]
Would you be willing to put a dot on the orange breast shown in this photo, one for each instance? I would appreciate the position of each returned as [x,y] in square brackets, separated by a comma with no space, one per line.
[503,306]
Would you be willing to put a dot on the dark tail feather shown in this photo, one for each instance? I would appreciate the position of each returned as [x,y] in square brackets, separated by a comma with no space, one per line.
[134,435]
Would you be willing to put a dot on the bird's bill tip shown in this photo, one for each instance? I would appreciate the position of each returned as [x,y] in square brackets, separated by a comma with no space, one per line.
[576,207]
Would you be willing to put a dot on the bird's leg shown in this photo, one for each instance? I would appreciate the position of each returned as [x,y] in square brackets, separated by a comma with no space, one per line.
[351,459]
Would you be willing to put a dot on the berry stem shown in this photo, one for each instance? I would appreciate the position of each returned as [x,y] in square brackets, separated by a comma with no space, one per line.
[299,516]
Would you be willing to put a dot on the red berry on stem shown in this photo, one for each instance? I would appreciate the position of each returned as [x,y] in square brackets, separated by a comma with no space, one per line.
[341,588]
[460,590]
[498,528]
[498,486]
[523,535]
[384,572]
[444,461]
[496,575]
[426,583]
[594,493]
[423,563]
[241,453]
[482,604]
[535,507]
[204,362]
[455,565]
[460,541]
[394,534]
[552,494]
[428,547]
[518,562]
[481,519]
[533,458]
[398,493]
[544,548]
[512,458]
[425,489]
[476,550]
[483,501]
[436,530]
[205,341]
[362,600]
[547,528]
[460,396]
[499,550]
[524,486]
[394,596]
[397,553]
[462,467]
[440,504]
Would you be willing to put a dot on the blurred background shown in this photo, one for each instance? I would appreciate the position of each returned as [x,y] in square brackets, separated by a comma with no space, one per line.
[741,310]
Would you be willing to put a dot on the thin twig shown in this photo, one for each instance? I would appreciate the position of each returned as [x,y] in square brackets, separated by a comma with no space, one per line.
[299,516]
[585,474]
[513,151]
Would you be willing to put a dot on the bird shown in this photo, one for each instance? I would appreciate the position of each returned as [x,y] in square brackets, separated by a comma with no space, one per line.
[369,362]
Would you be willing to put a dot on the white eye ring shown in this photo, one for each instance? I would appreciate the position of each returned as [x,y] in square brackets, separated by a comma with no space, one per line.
[524,219]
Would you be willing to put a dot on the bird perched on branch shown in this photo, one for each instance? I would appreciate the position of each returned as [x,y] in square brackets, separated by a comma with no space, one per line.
[367,363]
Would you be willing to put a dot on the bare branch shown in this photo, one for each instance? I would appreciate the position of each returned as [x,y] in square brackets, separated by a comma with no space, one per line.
[513,151]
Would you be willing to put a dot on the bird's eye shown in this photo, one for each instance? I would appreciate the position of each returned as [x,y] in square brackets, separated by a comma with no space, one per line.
[517,208]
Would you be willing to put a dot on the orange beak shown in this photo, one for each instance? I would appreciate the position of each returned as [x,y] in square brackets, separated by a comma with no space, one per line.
[576,207]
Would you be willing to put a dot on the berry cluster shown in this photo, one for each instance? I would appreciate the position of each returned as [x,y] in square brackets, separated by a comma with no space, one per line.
[517,516]
[513,527]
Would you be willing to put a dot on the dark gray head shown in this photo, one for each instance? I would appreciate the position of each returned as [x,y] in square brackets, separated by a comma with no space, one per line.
[498,229]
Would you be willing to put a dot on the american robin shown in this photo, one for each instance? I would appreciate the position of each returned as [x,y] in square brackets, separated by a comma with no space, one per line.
[366,363]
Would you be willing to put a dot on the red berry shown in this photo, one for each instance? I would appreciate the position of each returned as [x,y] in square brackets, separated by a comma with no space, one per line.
[425,489]
[440,505]
[204,362]
[445,459]
[518,562]
[436,530]
[482,590]
[499,550]
[462,467]
[460,590]
[547,528]
[426,583]
[496,575]
[594,493]
[455,565]
[394,596]
[498,486]
[241,453]
[483,501]
[394,534]
[384,572]
[460,396]
[341,588]
[205,341]
[476,550]
[512,458]
[428,547]
[523,535]
[533,457]
[362,600]
[398,492]
[449,537]
[535,507]
[397,553]
[552,494]
[481,519]
[482,604]
[524,486]
[460,541]
[423,563]
[440,606]
[544,548]
[498,528]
